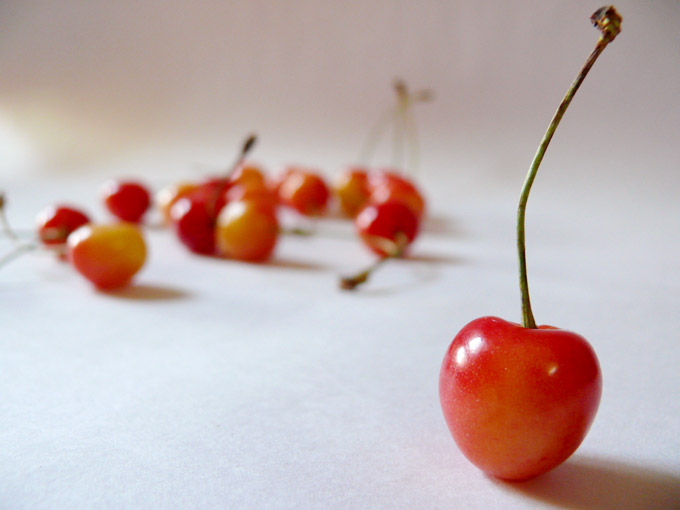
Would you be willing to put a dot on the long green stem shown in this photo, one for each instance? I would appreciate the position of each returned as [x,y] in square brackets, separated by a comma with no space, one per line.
[608,21]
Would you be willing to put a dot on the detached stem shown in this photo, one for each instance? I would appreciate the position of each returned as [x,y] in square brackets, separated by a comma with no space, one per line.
[608,21]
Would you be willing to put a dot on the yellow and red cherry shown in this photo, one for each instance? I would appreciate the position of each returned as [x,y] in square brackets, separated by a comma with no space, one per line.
[248,175]
[304,191]
[109,256]
[351,190]
[126,200]
[519,399]
[388,228]
[167,197]
[55,223]
[389,186]
[247,230]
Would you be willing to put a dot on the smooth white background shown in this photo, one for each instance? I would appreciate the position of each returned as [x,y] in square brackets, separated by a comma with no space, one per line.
[216,384]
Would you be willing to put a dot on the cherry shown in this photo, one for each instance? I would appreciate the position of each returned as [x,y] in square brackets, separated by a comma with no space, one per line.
[247,230]
[194,215]
[519,399]
[167,197]
[351,190]
[107,255]
[304,191]
[55,223]
[389,186]
[126,200]
[387,229]
[194,221]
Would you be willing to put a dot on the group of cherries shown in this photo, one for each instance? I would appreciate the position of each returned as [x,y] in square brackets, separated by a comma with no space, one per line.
[233,216]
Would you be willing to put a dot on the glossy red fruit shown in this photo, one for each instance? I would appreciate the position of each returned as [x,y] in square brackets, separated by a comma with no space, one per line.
[305,191]
[55,223]
[351,190]
[387,228]
[389,186]
[194,219]
[168,196]
[126,200]
[518,401]
[107,255]
[247,230]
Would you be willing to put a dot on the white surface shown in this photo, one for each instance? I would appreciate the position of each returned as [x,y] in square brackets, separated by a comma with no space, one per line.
[213,384]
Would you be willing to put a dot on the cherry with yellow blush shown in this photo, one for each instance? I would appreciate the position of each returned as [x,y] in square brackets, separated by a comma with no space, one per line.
[519,398]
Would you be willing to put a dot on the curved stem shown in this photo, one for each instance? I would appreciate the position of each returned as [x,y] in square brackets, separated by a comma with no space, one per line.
[608,21]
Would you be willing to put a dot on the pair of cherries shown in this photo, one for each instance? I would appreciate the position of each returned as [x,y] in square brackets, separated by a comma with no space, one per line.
[108,255]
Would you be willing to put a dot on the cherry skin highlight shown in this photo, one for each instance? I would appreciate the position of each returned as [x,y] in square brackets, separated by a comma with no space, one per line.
[55,223]
[126,200]
[167,197]
[107,255]
[518,401]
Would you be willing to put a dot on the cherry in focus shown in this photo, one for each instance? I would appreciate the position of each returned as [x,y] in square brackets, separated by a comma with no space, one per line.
[107,255]
[389,186]
[518,401]
[126,200]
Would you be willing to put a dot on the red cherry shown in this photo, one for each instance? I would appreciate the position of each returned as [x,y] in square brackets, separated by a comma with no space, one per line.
[387,228]
[247,230]
[351,190]
[518,401]
[305,191]
[167,197]
[194,221]
[388,186]
[55,223]
[107,255]
[126,200]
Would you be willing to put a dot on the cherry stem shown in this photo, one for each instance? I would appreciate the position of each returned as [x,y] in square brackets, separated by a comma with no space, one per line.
[608,21]
[18,250]
[7,230]
[403,125]
[247,146]
[396,251]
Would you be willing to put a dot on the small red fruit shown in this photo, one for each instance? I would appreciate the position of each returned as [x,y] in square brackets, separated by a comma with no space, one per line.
[247,230]
[305,191]
[167,197]
[126,200]
[388,186]
[387,228]
[55,223]
[193,217]
[107,255]
[518,401]
[352,191]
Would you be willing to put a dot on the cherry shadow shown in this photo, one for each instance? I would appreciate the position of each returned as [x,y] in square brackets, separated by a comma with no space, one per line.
[436,259]
[145,292]
[603,484]
[303,265]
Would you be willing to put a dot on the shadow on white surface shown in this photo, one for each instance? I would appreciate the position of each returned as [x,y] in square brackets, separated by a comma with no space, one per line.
[146,292]
[604,484]
[286,263]
[436,259]
[442,225]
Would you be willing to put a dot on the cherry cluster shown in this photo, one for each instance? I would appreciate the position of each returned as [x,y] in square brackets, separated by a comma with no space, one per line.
[233,216]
